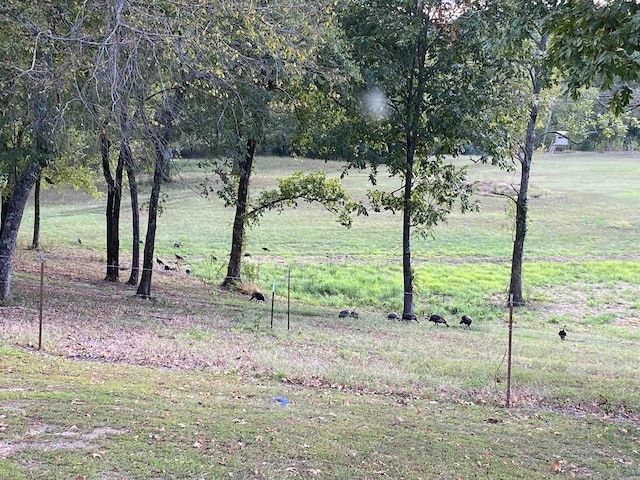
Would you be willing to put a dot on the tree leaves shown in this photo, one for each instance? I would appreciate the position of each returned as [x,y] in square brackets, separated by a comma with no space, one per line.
[597,45]
[310,188]
[437,188]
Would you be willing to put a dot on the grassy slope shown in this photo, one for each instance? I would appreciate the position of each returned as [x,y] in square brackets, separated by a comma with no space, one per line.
[179,387]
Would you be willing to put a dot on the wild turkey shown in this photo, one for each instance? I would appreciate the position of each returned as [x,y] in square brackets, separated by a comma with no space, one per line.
[259,296]
[562,333]
[410,317]
[393,316]
[466,321]
[438,319]
[348,313]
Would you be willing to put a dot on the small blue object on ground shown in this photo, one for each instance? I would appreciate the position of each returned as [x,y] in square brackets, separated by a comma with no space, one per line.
[281,400]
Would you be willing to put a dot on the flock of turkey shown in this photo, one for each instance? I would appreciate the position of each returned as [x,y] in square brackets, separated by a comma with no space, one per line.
[436,318]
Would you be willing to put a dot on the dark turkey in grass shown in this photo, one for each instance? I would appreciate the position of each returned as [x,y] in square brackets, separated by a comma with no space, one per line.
[466,321]
[438,319]
[563,333]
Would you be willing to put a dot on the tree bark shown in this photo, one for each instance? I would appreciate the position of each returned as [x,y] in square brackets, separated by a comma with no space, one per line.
[237,241]
[522,201]
[35,242]
[114,198]
[4,207]
[515,288]
[407,271]
[160,136]
[522,204]
[415,94]
[144,288]
[12,211]
[135,220]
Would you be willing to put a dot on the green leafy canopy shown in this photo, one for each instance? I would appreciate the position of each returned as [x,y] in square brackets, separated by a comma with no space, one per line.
[311,188]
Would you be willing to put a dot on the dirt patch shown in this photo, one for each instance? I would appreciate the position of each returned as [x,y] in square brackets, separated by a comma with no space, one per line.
[69,439]
[591,302]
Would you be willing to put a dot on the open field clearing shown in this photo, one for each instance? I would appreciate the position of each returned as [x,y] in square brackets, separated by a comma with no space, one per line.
[190,384]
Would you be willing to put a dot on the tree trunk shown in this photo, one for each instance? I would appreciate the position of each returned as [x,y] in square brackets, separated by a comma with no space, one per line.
[160,136]
[135,221]
[3,211]
[35,242]
[522,202]
[235,258]
[114,197]
[144,288]
[415,97]
[12,211]
[407,271]
[515,288]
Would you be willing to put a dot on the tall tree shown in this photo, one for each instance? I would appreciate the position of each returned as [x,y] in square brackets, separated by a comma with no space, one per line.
[135,216]
[523,40]
[117,35]
[31,79]
[427,91]
[267,57]
[145,59]
[114,198]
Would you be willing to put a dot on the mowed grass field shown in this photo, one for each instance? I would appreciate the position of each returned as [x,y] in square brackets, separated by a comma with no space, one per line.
[182,386]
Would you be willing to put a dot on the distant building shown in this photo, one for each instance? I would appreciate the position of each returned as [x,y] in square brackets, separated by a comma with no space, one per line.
[561,141]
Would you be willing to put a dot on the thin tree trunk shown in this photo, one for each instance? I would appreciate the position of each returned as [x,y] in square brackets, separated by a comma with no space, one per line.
[160,136]
[522,202]
[35,242]
[114,198]
[407,273]
[144,288]
[135,221]
[515,288]
[415,94]
[235,258]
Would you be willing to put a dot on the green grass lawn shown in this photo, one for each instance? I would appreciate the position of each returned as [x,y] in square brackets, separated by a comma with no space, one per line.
[180,386]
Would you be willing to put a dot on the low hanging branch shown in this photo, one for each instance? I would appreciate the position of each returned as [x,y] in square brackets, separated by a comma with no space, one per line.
[310,188]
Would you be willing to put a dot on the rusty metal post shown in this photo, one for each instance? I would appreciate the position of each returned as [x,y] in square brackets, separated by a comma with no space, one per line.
[41,300]
[273,299]
[508,401]
[289,299]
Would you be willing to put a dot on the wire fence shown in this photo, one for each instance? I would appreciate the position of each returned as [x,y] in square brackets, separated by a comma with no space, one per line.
[36,288]
[34,291]
[326,282]
[332,284]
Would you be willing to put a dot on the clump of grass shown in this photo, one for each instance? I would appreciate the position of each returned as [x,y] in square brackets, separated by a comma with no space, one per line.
[566,273]
[601,319]
[561,319]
